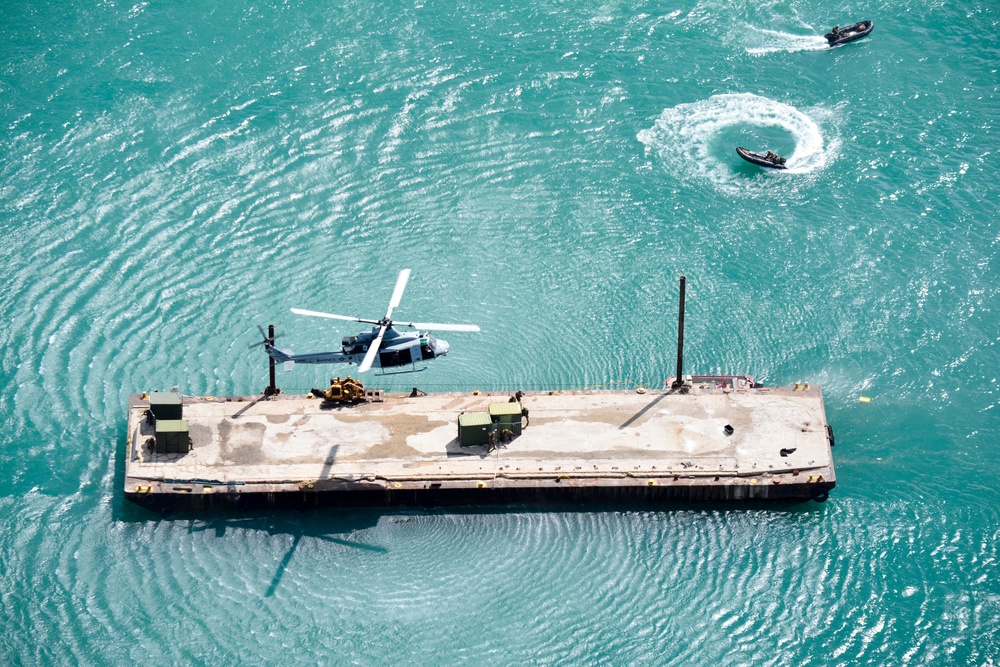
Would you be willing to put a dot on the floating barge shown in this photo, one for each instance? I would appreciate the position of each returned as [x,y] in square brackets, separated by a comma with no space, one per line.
[710,438]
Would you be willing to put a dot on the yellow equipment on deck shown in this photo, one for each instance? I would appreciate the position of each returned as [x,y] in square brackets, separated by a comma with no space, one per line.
[348,390]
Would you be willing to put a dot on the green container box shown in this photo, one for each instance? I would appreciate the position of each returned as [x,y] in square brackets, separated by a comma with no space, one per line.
[474,428]
[165,405]
[172,436]
[507,416]
[507,412]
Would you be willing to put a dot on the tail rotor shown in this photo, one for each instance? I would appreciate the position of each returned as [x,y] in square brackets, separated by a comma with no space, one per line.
[266,341]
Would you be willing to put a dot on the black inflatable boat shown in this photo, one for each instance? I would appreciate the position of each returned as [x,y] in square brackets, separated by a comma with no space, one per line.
[761,159]
[849,33]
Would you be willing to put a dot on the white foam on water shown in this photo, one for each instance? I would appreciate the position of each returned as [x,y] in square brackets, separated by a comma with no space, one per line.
[683,138]
[758,41]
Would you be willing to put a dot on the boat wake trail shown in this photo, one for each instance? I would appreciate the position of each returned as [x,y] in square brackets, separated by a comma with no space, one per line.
[760,42]
[688,138]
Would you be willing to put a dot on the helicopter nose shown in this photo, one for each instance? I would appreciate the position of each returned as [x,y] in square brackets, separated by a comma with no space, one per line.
[442,348]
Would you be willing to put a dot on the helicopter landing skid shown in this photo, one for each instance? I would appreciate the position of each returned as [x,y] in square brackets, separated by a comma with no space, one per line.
[414,370]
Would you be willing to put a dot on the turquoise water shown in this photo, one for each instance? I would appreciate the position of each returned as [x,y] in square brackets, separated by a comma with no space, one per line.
[173,175]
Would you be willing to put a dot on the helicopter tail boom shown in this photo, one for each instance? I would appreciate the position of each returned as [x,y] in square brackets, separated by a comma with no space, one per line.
[277,355]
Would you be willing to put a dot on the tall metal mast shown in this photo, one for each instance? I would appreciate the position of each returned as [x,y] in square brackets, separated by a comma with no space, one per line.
[679,379]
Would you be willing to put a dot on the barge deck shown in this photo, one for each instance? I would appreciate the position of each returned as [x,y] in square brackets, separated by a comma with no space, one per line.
[706,441]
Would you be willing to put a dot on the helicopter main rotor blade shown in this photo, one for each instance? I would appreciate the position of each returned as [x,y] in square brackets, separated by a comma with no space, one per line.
[436,326]
[331,316]
[397,293]
[369,359]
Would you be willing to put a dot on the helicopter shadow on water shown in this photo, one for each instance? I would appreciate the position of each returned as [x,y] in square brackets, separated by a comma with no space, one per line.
[310,525]
[320,524]
[302,525]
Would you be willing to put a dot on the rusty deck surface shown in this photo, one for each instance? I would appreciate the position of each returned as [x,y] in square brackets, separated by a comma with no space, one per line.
[780,445]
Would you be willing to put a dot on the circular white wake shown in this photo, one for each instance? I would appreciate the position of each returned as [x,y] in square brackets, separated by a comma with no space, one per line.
[683,137]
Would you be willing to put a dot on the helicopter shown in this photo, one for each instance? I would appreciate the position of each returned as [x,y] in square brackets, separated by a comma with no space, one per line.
[383,347]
